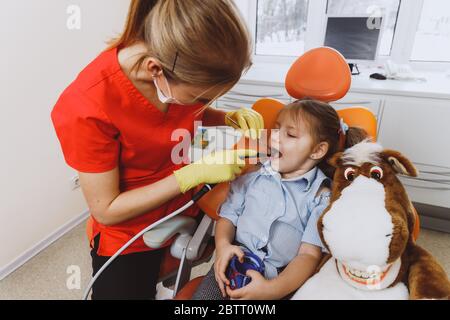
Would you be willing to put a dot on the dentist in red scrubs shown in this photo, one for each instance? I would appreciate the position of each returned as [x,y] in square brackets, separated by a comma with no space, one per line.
[115,125]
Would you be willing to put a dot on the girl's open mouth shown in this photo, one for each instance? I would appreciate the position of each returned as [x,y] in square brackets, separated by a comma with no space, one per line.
[275,154]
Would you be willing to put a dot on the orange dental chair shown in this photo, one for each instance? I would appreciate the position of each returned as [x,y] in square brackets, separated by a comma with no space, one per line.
[322,74]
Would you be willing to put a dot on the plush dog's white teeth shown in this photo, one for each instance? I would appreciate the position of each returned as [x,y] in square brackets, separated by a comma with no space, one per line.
[356,273]
[360,274]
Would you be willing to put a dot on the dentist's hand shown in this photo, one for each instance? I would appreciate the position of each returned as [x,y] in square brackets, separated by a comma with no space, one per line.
[248,120]
[215,168]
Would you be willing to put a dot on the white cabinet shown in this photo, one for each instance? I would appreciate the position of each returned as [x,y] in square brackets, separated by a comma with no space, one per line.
[245,95]
[371,102]
[429,188]
[351,100]
[420,129]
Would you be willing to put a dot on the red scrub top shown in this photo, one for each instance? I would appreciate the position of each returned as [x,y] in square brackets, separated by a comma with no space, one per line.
[102,122]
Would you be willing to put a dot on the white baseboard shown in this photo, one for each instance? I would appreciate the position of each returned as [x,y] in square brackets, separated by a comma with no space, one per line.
[36,249]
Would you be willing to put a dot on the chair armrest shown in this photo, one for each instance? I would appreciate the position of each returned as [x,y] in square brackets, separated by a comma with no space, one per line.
[200,239]
[157,237]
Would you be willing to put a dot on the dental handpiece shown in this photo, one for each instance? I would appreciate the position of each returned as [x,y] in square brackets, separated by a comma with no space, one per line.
[260,156]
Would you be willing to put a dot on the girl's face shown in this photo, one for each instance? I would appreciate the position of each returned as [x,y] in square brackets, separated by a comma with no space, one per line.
[294,144]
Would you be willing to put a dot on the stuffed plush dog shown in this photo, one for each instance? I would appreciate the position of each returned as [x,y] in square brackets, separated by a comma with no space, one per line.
[367,228]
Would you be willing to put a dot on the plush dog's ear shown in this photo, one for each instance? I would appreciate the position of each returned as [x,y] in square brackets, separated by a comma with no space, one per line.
[336,160]
[399,163]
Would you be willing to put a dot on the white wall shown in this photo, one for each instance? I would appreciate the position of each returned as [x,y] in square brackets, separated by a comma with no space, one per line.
[39,57]
[243,6]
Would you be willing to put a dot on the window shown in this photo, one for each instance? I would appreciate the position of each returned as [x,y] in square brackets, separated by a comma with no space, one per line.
[389,9]
[281,27]
[432,41]
[413,31]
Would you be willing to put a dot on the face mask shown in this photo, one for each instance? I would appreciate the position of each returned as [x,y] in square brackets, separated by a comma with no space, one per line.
[161,96]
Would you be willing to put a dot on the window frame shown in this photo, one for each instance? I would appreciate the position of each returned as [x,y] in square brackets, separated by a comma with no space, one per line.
[409,16]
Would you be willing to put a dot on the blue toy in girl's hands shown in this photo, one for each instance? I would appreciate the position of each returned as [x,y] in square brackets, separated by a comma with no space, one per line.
[236,271]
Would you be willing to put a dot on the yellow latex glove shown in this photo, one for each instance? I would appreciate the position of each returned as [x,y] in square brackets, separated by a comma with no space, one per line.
[215,168]
[248,120]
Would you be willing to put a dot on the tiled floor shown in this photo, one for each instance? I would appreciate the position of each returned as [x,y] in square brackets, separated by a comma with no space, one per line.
[46,275]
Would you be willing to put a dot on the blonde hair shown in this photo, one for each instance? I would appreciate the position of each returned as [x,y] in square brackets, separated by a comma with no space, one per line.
[197,42]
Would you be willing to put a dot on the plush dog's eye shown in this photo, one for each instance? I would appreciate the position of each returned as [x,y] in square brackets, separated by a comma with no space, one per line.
[349,174]
[376,173]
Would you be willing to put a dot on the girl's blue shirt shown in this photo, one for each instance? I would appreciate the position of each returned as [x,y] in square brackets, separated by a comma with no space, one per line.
[273,216]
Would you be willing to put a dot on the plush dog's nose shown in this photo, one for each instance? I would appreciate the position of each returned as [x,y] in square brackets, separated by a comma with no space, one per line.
[358,227]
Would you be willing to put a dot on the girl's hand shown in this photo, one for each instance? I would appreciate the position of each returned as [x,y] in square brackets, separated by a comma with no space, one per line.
[258,289]
[223,256]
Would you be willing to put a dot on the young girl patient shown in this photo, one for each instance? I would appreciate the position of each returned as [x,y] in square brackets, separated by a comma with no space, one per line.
[273,211]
